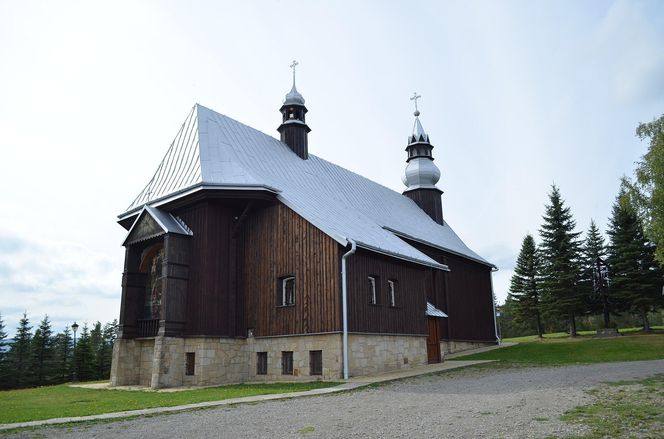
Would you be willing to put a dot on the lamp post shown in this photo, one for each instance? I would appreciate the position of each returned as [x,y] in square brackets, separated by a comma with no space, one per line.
[74,327]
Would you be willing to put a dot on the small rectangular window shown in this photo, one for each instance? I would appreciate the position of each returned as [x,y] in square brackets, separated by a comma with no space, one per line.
[393,293]
[315,362]
[190,363]
[286,291]
[373,290]
[261,363]
[287,362]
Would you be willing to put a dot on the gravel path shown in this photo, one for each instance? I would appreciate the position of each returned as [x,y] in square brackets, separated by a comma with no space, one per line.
[485,402]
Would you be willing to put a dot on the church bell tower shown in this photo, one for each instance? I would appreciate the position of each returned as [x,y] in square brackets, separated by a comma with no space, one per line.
[421,174]
[293,129]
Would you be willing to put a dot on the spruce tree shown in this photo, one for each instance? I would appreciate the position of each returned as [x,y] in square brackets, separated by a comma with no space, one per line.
[97,347]
[560,253]
[19,355]
[42,353]
[524,286]
[4,367]
[593,248]
[105,355]
[636,279]
[84,356]
[63,352]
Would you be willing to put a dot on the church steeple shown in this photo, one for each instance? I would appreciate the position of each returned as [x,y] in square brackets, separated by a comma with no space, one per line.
[293,129]
[421,174]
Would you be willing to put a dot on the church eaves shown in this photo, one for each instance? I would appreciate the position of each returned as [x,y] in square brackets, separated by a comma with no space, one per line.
[213,151]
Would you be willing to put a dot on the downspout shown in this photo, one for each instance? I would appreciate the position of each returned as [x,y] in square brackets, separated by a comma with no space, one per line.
[344,304]
[493,300]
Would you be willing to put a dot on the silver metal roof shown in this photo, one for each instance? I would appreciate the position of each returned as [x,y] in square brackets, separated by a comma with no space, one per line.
[433,311]
[214,151]
[294,96]
[419,135]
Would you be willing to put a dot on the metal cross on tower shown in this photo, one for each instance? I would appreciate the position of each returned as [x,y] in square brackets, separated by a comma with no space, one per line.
[415,98]
[292,66]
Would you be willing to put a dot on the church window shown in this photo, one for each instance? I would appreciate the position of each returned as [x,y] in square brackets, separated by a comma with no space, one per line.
[373,290]
[287,291]
[153,263]
[287,362]
[315,362]
[261,363]
[393,294]
[190,363]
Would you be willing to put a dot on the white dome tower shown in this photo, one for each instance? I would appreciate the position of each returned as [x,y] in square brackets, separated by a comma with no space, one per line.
[421,173]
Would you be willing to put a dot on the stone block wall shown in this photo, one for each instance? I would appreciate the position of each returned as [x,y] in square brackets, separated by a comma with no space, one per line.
[371,354]
[132,362]
[161,362]
[300,345]
[451,346]
[218,361]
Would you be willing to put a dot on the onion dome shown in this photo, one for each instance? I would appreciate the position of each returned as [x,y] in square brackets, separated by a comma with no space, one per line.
[294,97]
[420,172]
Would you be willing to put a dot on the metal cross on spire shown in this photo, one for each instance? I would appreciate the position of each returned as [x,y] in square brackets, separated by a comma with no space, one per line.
[414,99]
[292,66]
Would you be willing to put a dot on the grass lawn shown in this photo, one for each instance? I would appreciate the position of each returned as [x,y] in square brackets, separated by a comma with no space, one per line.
[624,409]
[64,401]
[554,351]
[566,335]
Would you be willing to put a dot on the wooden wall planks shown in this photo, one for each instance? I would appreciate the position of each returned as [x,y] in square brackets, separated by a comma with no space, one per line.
[411,287]
[278,242]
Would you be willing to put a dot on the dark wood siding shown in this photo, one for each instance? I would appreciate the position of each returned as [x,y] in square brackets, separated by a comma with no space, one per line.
[277,243]
[429,201]
[213,296]
[411,283]
[464,293]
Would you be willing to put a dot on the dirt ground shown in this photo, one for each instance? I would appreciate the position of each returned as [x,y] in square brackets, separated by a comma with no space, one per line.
[488,401]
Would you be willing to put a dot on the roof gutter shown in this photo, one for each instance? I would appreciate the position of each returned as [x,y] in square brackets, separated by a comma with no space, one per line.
[493,301]
[344,304]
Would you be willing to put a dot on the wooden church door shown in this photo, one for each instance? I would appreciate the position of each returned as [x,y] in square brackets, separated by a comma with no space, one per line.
[433,341]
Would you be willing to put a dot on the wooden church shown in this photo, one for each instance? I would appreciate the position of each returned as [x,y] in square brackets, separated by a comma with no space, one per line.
[247,258]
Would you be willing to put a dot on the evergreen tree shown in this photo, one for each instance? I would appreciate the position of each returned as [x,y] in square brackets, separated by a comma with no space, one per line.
[593,247]
[63,347]
[84,356]
[97,346]
[19,354]
[42,353]
[635,276]
[4,368]
[560,253]
[524,288]
[105,354]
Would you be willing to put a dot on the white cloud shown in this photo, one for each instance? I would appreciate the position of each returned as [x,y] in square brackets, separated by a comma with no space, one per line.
[63,279]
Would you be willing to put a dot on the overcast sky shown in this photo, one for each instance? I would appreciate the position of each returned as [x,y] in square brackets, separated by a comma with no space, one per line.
[516,95]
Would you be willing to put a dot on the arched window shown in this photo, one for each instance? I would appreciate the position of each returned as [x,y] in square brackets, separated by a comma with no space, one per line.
[151,265]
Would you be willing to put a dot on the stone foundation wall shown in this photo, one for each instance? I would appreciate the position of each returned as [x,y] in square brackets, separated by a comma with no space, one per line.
[371,354]
[161,362]
[132,362]
[300,345]
[218,361]
[451,346]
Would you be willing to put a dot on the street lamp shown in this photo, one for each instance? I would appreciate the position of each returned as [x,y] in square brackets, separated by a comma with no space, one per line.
[74,327]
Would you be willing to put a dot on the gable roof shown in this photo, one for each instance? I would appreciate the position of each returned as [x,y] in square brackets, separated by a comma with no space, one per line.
[153,222]
[214,151]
